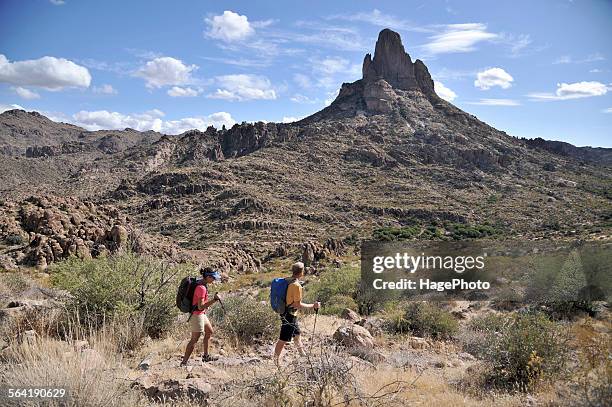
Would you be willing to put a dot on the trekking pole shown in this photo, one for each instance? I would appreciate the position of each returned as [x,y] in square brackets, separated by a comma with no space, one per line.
[314,329]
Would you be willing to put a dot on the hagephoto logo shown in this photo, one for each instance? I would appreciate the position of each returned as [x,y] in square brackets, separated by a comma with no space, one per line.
[530,272]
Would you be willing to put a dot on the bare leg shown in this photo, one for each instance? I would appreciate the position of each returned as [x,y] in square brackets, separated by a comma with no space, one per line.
[208,331]
[189,349]
[278,349]
[297,339]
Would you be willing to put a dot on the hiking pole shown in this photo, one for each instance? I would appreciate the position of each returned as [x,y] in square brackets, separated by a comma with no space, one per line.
[314,329]
[220,302]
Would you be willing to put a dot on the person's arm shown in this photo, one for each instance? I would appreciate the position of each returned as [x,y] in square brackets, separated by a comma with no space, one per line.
[203,305]
[303,305]
[298,304]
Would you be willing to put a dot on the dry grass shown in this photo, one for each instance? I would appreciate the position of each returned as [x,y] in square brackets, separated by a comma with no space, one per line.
[89,376]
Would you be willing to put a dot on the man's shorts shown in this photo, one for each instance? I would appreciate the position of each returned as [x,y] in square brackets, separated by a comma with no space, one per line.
[289,327]
[197,322]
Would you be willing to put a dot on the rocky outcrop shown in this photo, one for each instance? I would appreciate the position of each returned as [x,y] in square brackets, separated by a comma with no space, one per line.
[313,252]
[391,63]
[354,336]
[194,389]
[40,231]
[51,151]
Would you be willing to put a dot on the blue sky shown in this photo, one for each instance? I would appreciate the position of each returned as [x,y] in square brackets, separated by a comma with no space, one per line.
[528,68]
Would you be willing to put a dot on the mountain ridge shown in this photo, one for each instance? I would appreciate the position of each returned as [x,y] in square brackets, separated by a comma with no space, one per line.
[378,157]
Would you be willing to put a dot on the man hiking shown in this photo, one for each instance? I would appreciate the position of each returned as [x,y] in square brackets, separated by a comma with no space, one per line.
[198,321]
[289,323]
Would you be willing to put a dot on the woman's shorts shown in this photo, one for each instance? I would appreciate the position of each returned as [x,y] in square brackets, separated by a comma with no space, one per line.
[197,322]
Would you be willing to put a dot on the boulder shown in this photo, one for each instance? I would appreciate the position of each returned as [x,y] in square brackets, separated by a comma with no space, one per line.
[354,336]
[351,315]
[194,388]
[119,236]
[416,342]
[374,325]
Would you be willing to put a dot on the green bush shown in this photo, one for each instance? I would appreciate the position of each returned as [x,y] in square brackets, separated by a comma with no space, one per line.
[123,287]
[422,319]
[14,239]
[488,323]
[389,234]
[337,304]
[341,282]
[245,318]
[528,349]
[460,231]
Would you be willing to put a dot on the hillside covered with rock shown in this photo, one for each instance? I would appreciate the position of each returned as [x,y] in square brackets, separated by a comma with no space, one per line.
[387,153]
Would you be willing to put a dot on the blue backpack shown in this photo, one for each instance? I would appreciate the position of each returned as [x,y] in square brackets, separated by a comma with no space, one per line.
[278,294]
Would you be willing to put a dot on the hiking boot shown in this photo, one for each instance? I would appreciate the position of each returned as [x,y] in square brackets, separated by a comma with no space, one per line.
[209,358]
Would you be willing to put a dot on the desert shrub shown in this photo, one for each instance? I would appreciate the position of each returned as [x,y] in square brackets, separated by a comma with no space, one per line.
[477,335]
[529,348]
[337,304]
[14,239]
[422,319]
[389,234]
[245,318]
[591,381]
[489,322]
[325,378]
[134,290]
[14,283]
[341,282]
[459,231]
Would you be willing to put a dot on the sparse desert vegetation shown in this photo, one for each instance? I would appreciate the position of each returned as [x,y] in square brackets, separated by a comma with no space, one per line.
[406,351]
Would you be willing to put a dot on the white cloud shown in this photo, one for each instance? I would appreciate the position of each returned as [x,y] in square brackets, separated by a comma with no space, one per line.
[243,87]
[290,119]
[332,65]
[567,59]
[47,72]
[324,35]
[299,98]
[330,72]
[166,71]
[177,91]
[444,92]
[105,89]
[57,2]
[380,19]
[458,38]
[576,90]
[150,120]
[26,93]
[608,110]
[229,27]
[217,120]
[518,44]
[4,108]
[496,102]
[493,77]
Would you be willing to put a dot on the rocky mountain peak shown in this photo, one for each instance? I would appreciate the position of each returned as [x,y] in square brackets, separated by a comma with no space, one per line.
[393,64]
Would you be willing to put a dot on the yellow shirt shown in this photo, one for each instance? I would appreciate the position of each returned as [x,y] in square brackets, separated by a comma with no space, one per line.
[294,294]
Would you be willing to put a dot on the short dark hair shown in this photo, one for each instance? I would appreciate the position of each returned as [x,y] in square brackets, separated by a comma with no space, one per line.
[297,268]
